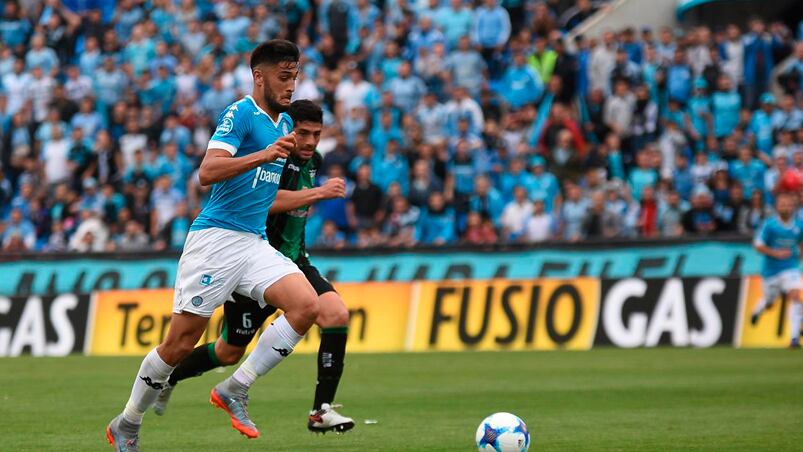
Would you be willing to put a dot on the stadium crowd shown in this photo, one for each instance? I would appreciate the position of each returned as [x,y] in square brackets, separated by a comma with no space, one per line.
[452,121]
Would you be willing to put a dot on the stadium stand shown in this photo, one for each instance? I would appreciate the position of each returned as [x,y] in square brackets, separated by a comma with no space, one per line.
[453,122]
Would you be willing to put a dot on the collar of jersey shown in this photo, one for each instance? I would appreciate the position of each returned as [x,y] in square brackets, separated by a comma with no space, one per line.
[275,123]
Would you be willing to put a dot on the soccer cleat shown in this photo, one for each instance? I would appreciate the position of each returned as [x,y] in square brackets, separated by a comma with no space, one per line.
[754,318]
[160,406]
[328,420]
[119,440]
[237,409]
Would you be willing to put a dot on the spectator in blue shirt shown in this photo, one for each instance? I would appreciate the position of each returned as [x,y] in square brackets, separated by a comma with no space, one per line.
[679,78]
[233,26]
[424,35]
[491,32]
[455,20]
[437,223]
[216,99]
[788,116]
[391,167]
[643,175]
[174,132]
[521,85]
[542,184]
[41,56]
[486,200]
[407,88]
[573,213]
[466,67]
[491,25]
[139,51]
[761,124]
[20,228]
[175,165]
[110,82]
[725,104]
[748,171]
[382,133]
[13,29]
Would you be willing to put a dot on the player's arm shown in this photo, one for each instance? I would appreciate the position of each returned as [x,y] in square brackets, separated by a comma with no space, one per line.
[220,164]
[760,245]
[287,200]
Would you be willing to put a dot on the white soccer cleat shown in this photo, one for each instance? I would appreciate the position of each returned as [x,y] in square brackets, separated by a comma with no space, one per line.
[328,420]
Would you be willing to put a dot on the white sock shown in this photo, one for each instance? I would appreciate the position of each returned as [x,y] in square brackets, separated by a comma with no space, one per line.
[275,344]
[152,376]
[796,315]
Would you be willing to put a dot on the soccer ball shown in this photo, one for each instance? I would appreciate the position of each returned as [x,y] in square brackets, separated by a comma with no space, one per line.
[503,432]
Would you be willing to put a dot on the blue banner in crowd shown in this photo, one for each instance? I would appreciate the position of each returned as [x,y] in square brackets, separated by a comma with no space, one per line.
[42,275]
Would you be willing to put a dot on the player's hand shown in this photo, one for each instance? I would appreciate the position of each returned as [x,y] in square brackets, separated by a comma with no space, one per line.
[782,253]
[281,148]
[334,187]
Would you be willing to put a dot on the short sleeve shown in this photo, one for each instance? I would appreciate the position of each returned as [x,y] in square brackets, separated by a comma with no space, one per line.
[762,236]
[232,127]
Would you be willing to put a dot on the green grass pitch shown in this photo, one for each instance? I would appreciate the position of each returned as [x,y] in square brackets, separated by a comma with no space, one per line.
[605,399]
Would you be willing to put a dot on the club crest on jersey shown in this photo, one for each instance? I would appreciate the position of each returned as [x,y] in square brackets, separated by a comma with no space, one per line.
[225,126]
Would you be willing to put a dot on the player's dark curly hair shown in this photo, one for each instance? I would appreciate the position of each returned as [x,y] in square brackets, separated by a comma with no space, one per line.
[273,52]
[305,110]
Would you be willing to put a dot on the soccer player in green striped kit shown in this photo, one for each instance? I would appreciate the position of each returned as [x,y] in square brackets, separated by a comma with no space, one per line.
[285,228]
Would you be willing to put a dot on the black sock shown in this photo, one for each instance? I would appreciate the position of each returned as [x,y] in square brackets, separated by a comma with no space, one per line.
[330,364]
[200,360]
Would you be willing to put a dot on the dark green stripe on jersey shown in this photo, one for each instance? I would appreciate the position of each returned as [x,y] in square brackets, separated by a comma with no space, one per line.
[286,230]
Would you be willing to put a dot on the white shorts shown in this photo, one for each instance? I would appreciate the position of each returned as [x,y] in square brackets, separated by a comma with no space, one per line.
[217,262]
[783,282]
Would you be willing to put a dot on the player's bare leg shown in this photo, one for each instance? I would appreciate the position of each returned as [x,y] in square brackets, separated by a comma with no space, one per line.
[293,295]
[185,330]
[333,319]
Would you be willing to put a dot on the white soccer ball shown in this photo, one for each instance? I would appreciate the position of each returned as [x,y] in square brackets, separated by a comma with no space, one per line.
[503,432]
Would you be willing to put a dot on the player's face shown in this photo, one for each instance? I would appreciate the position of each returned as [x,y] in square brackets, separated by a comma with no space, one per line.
[308,134]
[277,82]
[785,207]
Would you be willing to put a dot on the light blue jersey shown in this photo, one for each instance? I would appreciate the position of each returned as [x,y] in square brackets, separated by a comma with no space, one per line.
[242,202]
[774,233]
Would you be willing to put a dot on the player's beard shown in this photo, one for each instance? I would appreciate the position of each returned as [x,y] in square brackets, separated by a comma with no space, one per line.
[273,102]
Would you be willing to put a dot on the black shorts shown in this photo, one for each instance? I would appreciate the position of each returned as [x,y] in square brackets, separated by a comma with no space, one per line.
[318,282]
[243,317]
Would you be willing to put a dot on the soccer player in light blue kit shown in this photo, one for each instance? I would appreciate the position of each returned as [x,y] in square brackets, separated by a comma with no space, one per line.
[227,251]
[779,240]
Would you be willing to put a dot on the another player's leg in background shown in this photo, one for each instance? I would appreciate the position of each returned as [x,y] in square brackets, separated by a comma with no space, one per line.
[242,319]
[795,317]
[203,359]
[185,330]
[333,319]
[771,293]
[293,295]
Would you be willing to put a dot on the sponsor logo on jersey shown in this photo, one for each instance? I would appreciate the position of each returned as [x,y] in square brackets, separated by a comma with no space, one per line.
[298,213]
[263,175]
[225,126]
[197,301]
[293,167]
